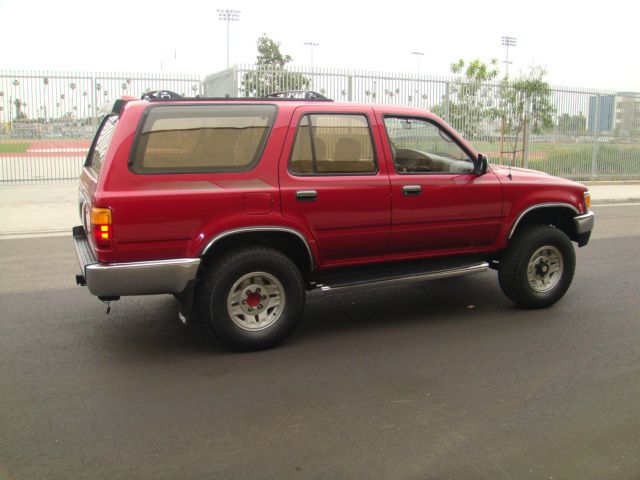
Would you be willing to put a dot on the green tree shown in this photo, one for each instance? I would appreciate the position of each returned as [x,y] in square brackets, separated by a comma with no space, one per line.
[271,74]
[525,103]
[572,124]
[472,96]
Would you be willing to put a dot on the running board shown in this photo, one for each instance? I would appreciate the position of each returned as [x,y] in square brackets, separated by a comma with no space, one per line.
[362,278]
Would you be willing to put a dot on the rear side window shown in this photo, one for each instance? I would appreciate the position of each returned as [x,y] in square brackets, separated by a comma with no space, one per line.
[202,138]
[332,144]
[98,152]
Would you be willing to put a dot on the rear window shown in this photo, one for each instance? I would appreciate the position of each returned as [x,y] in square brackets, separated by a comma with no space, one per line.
[98,152]
[202,138]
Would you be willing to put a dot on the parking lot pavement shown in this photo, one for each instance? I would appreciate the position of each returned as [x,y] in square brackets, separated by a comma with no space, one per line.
[428,380]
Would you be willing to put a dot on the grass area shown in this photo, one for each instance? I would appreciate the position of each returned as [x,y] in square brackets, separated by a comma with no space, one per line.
[574,160]
[13,147]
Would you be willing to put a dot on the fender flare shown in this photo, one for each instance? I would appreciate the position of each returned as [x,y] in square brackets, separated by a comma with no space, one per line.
[265,228]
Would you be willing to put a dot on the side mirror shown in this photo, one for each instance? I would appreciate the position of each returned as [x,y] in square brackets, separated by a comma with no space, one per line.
[481,164]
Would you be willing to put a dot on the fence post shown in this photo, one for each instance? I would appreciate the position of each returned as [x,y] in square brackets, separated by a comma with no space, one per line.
[350,89]
[236,85]
[595,134]
[93,101]
[447,91]
[526,139]
[11,113]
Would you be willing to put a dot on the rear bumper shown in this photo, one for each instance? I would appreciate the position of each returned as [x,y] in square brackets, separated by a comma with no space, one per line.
[584,226]
[133,278]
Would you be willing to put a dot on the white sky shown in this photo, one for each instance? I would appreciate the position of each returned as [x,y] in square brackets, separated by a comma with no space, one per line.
[581,44]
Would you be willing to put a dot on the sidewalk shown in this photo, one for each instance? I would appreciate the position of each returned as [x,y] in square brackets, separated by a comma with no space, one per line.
[52,209]
[42,209]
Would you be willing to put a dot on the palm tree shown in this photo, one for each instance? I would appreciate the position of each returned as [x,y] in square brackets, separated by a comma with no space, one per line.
[72,86]
[45,80]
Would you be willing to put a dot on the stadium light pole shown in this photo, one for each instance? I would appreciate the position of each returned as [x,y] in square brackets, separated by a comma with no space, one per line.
[508,42]
[311,46]
[419,55]
[226,15]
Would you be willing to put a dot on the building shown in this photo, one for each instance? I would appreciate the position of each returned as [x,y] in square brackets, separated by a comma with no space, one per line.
[618,114]
[627,118]
[605,115]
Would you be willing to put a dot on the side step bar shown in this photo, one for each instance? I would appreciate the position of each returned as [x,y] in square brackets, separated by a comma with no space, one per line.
[337,282]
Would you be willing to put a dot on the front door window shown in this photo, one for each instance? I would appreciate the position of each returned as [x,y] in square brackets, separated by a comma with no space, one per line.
[419,146]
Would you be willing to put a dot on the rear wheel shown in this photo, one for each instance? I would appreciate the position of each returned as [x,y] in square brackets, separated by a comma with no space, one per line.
[251,299]
[538,266]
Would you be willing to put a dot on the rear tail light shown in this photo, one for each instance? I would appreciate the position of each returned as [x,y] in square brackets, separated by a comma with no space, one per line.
[102,227]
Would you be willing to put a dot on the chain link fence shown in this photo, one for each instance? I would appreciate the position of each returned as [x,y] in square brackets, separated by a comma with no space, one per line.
[590,135]
[47,119]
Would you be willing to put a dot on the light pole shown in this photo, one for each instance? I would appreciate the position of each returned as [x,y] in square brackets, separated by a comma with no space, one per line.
[419,55]
[227,15]
[311,45]
[508,42]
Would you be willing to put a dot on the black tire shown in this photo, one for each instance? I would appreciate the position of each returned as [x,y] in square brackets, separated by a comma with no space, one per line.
[546,248]
[272,280]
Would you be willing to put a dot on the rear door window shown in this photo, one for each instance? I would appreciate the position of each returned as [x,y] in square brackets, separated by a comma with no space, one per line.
[202,138]
[333,144]
[98,151]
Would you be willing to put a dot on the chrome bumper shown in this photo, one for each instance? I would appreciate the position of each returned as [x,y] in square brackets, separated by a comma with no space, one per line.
[584,226]
[134,278]
[584,223]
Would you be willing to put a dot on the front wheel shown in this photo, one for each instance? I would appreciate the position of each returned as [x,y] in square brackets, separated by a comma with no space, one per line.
[538,266]
[251,299]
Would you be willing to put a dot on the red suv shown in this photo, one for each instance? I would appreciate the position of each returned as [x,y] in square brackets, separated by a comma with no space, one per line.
[239,206]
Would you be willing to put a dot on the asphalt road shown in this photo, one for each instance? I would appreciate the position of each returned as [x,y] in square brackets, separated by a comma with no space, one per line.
[428,381]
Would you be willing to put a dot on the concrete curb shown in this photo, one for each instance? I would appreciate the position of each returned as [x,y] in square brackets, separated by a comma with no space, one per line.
[614,201]
[34,234]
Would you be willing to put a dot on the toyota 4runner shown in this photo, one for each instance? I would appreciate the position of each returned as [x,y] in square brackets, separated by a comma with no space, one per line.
[239,206]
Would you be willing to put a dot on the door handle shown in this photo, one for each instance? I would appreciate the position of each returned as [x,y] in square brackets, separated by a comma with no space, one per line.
[409,190]
[306,195]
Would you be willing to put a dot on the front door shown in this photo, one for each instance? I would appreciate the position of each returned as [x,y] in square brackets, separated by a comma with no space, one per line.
[333,180]
[439,203]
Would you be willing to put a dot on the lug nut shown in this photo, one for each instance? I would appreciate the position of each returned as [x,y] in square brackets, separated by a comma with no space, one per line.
[250,309]
[263,297]
[259,306]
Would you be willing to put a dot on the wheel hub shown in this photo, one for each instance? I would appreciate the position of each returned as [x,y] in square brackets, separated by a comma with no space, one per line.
[253,298]
[542,267]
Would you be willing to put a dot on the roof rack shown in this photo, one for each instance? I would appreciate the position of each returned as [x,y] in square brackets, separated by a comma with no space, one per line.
[299,94]
[161,95]
[290,95]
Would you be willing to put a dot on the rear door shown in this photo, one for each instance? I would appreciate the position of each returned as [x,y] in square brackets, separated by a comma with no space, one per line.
[332,180]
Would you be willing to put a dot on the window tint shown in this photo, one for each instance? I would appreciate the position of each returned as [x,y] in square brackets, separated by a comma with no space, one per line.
[97,155]
[202,138]
[332,144]
[419,146]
